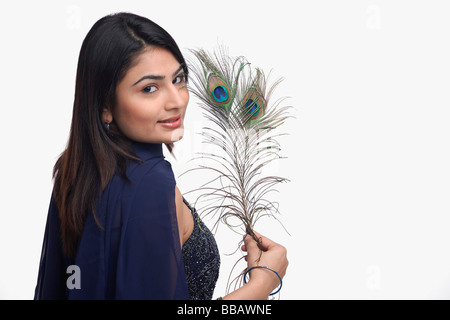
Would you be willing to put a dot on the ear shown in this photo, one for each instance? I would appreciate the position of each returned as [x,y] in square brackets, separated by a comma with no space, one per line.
[107,115]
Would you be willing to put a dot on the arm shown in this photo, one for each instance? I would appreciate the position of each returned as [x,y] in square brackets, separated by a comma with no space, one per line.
[150,264]
[262,282]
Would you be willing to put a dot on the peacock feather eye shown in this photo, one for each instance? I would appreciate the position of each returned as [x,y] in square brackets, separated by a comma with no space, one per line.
[253,104]
[252,108]
[220,94]
[219,91]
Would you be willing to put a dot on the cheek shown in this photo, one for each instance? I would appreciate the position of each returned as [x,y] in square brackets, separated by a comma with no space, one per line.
[186,96]
[135,118]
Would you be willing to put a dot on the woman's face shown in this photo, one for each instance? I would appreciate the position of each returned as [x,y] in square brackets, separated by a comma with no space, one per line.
[151,99]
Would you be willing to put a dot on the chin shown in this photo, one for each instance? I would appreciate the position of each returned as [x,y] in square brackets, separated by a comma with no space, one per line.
[176,135]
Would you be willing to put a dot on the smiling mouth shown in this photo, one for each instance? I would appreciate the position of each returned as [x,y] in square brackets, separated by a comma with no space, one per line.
[170,119]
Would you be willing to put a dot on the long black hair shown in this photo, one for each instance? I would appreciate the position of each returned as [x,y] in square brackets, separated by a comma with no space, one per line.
[94,153]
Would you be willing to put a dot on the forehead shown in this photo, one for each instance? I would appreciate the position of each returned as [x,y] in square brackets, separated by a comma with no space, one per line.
[153,61]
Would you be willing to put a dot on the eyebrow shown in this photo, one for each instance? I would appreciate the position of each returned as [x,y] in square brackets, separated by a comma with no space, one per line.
[155,77]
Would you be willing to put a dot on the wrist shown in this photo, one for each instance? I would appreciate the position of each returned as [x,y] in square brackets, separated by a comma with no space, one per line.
[264,278]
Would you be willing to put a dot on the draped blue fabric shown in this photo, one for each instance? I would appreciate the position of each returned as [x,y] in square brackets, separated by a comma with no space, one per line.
[136,254]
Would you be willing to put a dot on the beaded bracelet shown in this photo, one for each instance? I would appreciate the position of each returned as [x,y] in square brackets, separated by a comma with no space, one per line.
[264,267]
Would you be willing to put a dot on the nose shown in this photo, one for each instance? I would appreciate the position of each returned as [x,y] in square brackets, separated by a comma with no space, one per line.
[177,98]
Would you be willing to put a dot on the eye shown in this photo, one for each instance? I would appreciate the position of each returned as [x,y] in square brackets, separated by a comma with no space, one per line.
[179,79]
[149,89]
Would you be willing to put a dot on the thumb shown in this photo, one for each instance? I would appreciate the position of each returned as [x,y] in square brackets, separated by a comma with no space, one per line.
[249,241]
[255,241]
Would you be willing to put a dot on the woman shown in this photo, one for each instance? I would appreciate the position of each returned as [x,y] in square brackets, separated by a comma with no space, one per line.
[118,227]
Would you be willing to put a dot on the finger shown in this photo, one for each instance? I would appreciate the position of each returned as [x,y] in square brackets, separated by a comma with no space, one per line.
[249,242]
[253,245]
[264,242]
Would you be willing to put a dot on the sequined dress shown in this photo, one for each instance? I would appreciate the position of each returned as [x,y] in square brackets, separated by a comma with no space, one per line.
[201,260]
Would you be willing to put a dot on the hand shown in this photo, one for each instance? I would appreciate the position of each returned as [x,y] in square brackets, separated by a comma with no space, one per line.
[273,256]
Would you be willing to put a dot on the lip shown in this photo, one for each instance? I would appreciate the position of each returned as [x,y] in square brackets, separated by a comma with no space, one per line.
[171,119]
[176,122]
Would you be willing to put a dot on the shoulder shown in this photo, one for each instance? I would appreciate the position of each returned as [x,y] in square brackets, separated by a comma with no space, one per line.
[152,186]
[145,182]
[139,172]
[143,173]
[152,174]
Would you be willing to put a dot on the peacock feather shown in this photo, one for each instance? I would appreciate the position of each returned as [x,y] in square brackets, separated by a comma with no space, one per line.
[236,100]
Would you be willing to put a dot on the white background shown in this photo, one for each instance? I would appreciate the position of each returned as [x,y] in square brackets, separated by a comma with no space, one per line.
[368,154]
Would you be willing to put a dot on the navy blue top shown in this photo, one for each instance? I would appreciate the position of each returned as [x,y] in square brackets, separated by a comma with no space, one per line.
[201,260]
[137,253]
